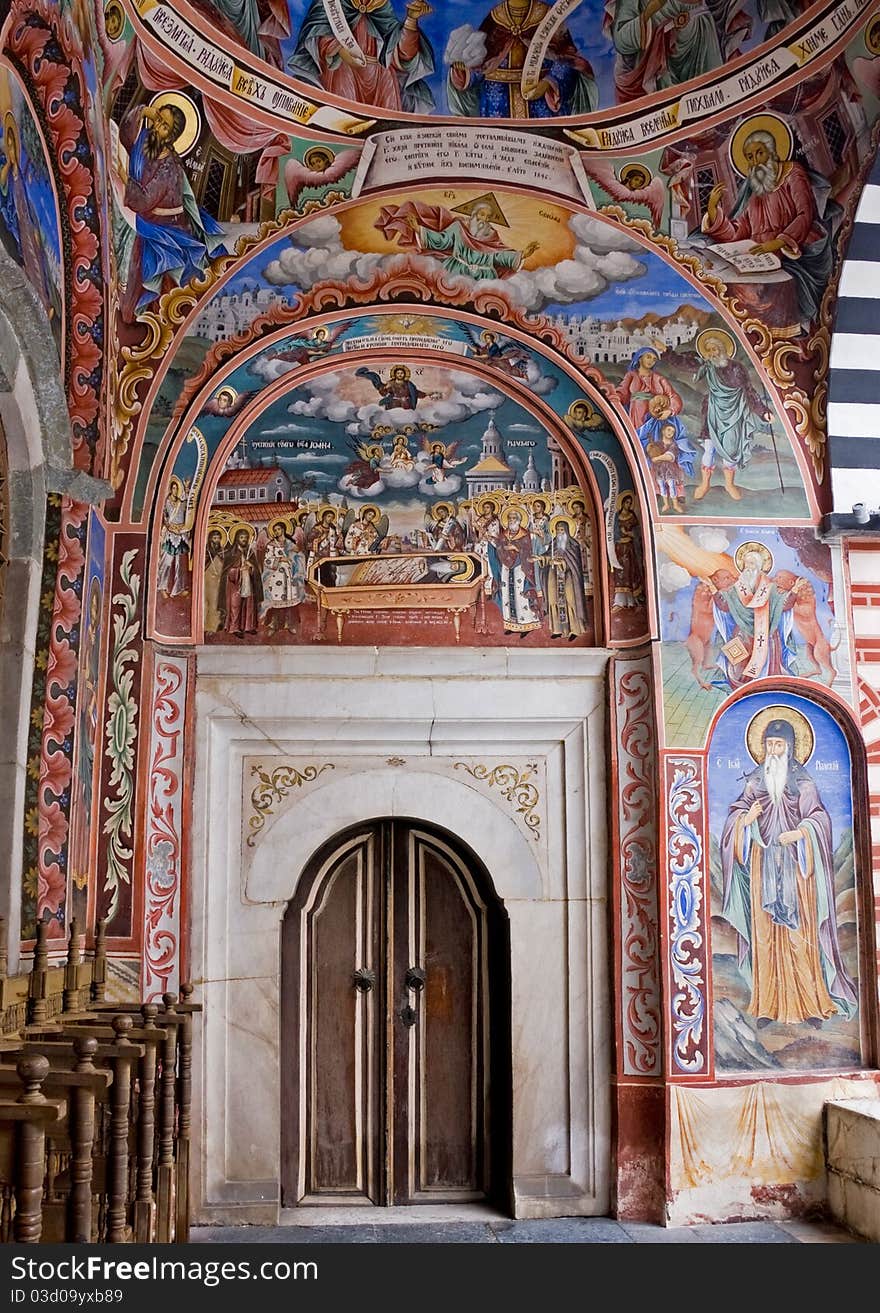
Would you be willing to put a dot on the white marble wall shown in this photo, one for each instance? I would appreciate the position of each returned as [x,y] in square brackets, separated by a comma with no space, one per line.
[390,729]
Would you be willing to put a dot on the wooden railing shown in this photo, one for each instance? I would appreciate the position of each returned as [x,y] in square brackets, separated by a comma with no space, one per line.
[94,1104]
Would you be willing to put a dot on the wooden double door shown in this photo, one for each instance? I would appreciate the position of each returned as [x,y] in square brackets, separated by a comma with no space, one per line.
[395,1005]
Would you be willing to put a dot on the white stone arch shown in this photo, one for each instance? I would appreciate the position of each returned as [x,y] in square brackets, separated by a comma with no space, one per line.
[350,736]
[334,804]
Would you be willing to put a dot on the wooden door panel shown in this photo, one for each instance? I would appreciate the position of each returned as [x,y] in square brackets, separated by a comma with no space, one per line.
[342,1122]
[385,1088]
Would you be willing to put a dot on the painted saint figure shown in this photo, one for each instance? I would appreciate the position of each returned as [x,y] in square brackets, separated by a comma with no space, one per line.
[174,574]
[241,583]
[778,880]
[173,239]
[776,210]
[660,43]
[564,596]
[397,392]
[516,585]
[490,86]
[283,578]
[629,576]
[464,240]
[732,411]
[215,553]
[672,458]
[359,50]
[753,618]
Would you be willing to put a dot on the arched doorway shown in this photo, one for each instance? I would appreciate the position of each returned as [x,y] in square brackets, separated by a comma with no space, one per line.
[395,1024]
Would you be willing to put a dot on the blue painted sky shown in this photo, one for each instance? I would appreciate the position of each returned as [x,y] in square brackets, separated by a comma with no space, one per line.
[728,745]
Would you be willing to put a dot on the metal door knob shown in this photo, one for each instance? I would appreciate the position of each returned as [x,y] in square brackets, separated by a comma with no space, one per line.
[414,978]
[364,979]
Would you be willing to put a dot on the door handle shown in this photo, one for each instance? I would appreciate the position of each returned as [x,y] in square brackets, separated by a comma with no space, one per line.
[414,979]
[364,980]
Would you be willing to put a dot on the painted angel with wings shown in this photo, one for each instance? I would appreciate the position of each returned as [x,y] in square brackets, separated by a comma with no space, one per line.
[319,167]
[303,350]
[365,470]
[634,185]
[501,352]
[364,531]
[226,402]
[440,458]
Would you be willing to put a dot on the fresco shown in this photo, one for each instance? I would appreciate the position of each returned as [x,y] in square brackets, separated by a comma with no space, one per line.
[369,492]
[739,605]
[520,59]
[784,912]
[87,720]
[28,211]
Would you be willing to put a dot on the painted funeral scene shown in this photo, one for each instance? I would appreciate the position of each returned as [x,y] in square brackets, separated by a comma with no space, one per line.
[397,532]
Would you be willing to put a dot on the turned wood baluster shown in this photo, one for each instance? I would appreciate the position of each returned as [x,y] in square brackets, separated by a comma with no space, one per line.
[70,999]
[184,1106]
[117,1166]
[38,1010]
[167,1091]
[99,965]
[146,1131]
[32,1070]
[82,1138]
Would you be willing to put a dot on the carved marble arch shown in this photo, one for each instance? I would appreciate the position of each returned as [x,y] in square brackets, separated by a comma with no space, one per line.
[590,460]
[829,745]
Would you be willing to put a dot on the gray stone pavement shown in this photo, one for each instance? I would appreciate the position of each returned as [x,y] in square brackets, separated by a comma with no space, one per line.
[497,1230]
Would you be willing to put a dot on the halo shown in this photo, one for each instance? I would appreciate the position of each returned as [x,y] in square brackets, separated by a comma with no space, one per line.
[872,37]
[321,333]
[236,527]
[406,372]
[218,528]
[539,499]
[716,335]
[487,199]
[226,392]
[193,127]
[323,151]
[484,504]
[563,519]
[776,127]
[763,551]
[627,492]
[804,738]
[504,516]
[443,506]
[322,511]
[370,506]
[487,332]
[10,125]
[278,519]
[629,169]
[176,481]
[114,7]
[581,404]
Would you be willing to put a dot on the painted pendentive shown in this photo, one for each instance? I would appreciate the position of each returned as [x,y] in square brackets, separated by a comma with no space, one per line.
[493,331]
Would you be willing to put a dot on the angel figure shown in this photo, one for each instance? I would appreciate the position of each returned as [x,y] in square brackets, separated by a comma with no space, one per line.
[321,535]
[174,575]
[635,185]
[440,458]
[303,350]
[364,531]
[319,167]
[364,471]
[226,402]
[501,352]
